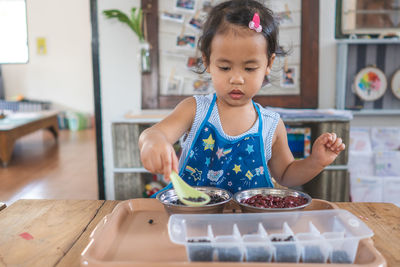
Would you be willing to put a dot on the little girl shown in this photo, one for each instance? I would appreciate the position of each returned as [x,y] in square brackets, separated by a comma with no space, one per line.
[230,141]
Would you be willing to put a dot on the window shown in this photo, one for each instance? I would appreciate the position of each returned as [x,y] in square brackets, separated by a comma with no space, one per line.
[13,32]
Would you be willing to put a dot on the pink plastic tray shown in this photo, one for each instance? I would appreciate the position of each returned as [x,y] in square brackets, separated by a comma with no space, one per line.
[136,234]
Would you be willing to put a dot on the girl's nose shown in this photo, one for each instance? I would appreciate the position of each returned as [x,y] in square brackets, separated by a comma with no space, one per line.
[237,78]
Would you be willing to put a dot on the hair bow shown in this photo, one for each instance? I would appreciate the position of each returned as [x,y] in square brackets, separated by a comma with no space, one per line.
[255,23]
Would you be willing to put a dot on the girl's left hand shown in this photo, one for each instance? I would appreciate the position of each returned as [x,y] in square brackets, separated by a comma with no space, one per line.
[326,148]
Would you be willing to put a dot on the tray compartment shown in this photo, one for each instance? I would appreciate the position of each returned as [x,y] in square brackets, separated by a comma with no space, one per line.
[286,245]
[229,247]
[315,248]
[278,237]
[258,247]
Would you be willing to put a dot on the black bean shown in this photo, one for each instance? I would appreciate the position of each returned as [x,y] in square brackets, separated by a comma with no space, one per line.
[313,254]
[200,253]
[276,239]
[213,200]
[340,256]
[198,241]
[229,254]
[258,254]
[286,253]
[195,199]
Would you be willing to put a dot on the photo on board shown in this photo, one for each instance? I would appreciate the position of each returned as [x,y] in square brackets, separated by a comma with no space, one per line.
[186,42]
[196,23]
[201,86]
[172,17]
[193,63]
[289,77]
[206,6]
[174,85]
[185,5]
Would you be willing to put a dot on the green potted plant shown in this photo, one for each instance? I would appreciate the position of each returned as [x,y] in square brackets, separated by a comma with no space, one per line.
[135,22]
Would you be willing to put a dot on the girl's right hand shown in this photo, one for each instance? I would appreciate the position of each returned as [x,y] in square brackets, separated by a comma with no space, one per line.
[159,157]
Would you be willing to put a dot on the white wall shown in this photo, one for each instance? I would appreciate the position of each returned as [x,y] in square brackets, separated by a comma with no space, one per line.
[64,75]
[119,74]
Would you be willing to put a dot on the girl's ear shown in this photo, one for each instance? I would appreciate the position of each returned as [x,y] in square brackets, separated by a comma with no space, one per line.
[270,62]
[204,59]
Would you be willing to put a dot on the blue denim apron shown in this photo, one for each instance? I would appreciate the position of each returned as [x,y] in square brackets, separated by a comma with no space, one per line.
[218,162]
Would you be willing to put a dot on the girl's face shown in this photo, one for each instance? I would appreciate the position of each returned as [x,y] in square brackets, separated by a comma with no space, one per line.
[238,65]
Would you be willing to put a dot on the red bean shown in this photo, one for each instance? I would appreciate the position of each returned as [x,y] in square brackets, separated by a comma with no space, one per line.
[270,201]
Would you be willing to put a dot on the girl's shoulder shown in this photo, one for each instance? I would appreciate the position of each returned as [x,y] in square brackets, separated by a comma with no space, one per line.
[203,102]
[204,99]
[267,113]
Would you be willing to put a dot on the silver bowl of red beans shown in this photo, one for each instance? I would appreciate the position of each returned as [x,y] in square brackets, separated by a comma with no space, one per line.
[271,199]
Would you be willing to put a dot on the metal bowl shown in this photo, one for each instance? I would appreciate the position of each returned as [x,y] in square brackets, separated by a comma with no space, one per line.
[239,196]
[167,196]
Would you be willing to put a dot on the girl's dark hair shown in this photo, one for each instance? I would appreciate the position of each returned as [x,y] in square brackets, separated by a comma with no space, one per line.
[239,12]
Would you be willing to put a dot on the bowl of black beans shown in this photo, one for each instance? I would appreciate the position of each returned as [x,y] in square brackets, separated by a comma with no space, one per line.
[271,199]
[172,204]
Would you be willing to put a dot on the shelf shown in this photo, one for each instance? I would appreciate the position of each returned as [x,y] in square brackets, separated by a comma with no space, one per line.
[368,41]
[130,170]
[336,168]
[377,112]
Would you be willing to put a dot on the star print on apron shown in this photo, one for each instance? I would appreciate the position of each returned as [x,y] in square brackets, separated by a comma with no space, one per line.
[232,165]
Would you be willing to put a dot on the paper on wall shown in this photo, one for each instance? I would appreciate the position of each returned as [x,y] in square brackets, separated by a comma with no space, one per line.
[360,140]
[361,163]
[366,188]
[391,190]
[385,138]
[387,163]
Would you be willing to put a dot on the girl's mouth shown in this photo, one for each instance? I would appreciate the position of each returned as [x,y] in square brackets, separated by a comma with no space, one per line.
[236,94]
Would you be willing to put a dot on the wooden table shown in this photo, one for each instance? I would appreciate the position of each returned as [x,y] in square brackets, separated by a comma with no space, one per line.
[55,232]
[20,124]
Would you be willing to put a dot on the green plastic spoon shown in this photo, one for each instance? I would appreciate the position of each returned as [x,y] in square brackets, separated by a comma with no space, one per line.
[187,194]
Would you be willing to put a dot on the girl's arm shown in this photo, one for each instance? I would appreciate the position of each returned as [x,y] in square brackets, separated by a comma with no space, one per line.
[289,172]
[156,143]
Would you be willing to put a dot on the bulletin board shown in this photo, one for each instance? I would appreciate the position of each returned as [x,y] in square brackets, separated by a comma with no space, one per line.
[179,24]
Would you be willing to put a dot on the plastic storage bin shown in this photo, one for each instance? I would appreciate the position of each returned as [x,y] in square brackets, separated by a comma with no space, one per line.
[319,236]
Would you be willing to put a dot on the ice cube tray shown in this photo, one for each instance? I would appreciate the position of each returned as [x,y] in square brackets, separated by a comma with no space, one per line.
[321,236]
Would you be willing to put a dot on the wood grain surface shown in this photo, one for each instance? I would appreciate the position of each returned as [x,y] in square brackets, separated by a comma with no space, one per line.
[384,220]
[55,232]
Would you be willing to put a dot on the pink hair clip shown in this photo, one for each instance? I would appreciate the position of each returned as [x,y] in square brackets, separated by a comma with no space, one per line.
[255,23]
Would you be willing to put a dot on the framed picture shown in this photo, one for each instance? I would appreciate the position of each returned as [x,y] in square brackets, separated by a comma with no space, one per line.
[185,5]
[186,42]
[172,17]
[370,17]
[304,94]
[289,77]
[370,84]
[395,84]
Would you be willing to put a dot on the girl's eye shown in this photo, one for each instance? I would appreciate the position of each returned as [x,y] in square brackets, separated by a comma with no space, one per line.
[224,68]
[250,69]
